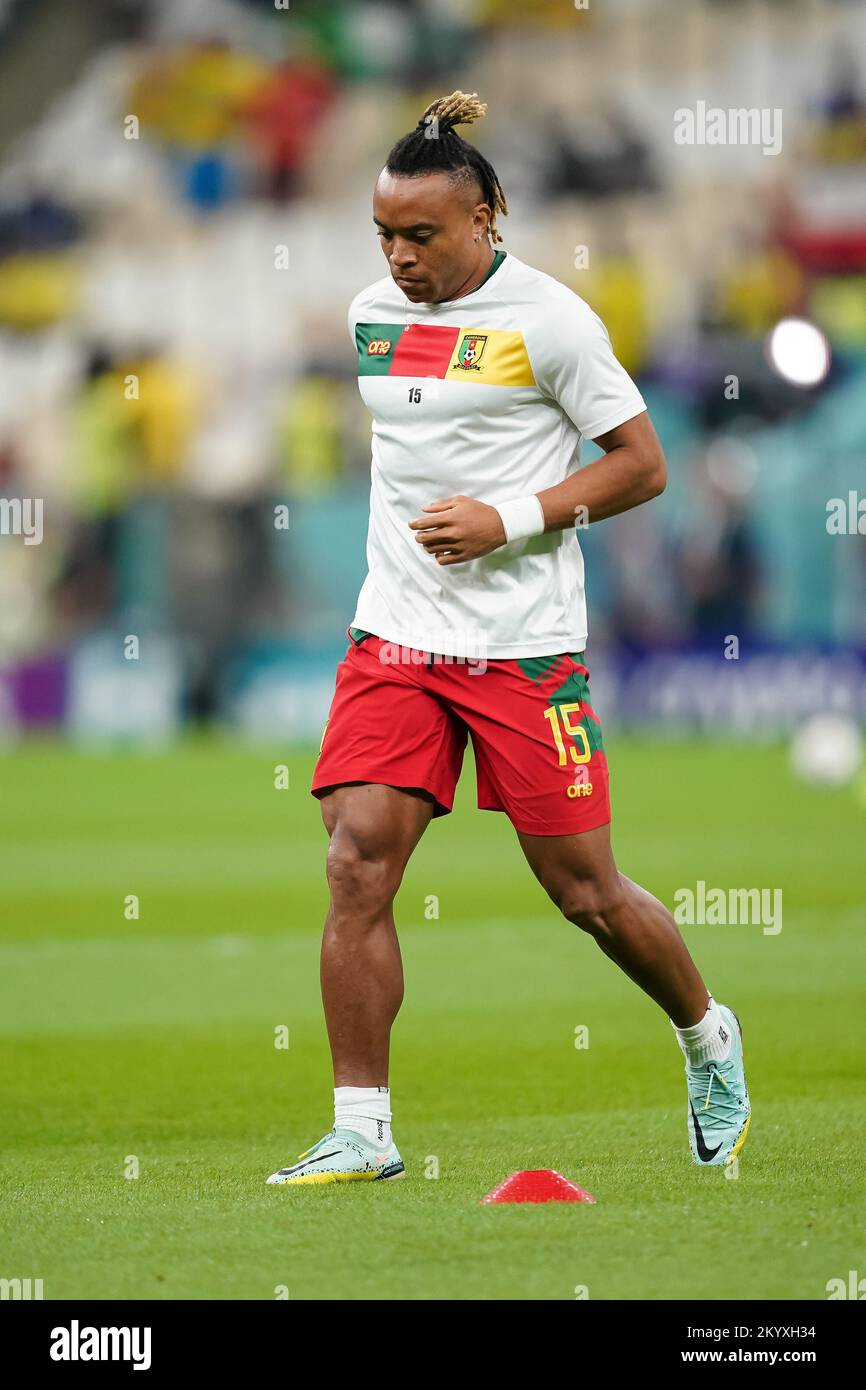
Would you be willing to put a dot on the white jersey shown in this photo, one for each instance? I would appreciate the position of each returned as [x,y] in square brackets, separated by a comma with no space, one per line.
[487,396]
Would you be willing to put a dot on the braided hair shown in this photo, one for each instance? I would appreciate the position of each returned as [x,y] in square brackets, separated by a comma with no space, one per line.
[434,147]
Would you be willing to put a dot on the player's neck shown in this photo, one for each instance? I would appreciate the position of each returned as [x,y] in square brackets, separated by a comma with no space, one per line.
[474,279]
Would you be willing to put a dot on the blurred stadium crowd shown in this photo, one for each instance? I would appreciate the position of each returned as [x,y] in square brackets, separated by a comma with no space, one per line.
[185,215]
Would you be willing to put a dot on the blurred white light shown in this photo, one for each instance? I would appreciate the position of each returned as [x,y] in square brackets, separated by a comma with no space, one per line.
[799,352]
[827,750]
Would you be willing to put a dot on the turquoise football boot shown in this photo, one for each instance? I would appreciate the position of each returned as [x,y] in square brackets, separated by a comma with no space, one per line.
[343,1156]
[719,1108]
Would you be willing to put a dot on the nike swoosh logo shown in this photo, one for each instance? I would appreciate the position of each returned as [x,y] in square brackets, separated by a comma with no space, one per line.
[318,1159]
[704,1154]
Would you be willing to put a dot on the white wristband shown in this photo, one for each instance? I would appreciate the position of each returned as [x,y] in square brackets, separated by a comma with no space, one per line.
[522,517]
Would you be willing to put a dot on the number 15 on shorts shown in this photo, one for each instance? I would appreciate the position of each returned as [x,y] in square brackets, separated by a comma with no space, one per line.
[579,749]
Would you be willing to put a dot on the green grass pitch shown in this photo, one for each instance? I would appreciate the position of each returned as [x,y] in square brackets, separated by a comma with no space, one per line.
[153,1039]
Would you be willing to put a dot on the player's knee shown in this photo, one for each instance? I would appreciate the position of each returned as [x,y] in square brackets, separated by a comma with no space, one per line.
[362,883]
[589,903]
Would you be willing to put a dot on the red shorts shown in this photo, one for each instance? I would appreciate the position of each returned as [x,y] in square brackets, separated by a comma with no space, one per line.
[401,717]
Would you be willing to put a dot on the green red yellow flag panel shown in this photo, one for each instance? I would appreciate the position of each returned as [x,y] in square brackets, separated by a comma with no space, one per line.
[491,356]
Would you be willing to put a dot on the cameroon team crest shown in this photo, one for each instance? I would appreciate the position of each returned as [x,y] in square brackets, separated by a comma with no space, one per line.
[471,350]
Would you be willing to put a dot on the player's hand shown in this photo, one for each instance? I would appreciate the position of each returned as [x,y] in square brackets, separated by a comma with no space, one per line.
[456,529]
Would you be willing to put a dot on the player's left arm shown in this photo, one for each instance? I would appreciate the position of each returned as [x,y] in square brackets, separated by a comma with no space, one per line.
[632,471]
[575,366]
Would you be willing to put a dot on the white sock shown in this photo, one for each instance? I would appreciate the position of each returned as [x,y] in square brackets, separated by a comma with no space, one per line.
[706,1041]
[366,1110]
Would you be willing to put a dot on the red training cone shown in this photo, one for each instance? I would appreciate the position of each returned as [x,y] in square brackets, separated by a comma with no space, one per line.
[538,1185]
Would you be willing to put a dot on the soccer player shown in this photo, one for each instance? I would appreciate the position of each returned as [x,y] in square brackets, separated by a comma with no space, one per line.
[482,376]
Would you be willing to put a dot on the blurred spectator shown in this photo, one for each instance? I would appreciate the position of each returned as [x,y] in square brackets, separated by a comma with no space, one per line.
[720,566]
[283,114]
